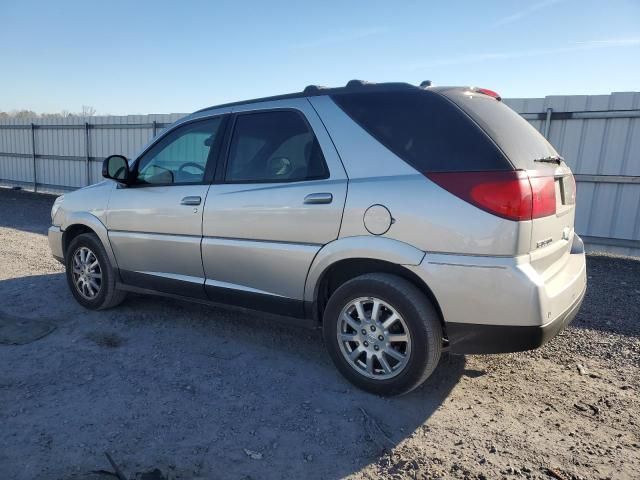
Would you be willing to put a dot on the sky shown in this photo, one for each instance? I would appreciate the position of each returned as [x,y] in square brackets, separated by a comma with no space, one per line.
[136,57]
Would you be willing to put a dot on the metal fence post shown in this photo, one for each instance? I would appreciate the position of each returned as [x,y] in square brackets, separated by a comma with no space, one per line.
[86,151]
[33,156]
[547,123]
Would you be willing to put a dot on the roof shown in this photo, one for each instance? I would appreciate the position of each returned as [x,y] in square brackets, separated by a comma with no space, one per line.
[316,90]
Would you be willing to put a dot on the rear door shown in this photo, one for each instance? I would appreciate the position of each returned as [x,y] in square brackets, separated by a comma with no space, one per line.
[278,200]
[155,225]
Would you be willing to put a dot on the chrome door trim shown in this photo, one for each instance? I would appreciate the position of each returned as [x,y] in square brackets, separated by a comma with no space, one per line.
[258,240]
[183,285]
[182,237]
[174,276]
[138,234]
[243,288]
[246,298]
[284,310]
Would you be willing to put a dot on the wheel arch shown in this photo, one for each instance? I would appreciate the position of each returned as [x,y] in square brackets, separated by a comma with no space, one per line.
[348,258]
[72,232]
[86,223]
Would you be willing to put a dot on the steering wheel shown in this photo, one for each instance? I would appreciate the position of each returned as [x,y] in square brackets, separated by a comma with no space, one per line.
[279,167]
[191,164]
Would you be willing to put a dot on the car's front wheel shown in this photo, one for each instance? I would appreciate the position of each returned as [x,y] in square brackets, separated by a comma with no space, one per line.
[90,275]
[382,333]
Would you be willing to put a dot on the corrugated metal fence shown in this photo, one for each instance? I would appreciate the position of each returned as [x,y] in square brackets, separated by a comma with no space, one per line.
[62,154]
[598,135]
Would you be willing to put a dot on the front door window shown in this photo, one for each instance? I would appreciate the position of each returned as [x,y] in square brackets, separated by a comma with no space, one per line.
[181,157]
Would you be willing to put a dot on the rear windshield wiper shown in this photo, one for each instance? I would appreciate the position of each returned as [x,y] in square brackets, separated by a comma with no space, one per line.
[550,159]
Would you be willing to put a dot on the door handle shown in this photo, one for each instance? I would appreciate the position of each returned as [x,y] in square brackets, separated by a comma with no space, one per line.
[191,201]
[317,198]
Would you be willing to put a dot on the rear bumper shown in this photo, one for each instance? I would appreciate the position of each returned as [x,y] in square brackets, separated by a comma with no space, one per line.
[471,338]
[505,304]
[55,243]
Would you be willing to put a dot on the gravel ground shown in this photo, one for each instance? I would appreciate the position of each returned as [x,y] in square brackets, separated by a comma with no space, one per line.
[202,392]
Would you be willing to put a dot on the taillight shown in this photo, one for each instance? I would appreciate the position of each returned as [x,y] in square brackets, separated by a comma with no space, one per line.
[486,91]
[544,196]
[511,195]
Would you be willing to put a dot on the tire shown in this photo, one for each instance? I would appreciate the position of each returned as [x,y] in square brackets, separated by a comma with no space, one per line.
[418,328]
[103,275]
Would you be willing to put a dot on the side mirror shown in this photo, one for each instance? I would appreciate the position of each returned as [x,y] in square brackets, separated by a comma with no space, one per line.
[116,168]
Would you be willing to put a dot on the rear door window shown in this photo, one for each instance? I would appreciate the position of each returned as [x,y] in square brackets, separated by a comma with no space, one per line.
[275,146]
[424,129]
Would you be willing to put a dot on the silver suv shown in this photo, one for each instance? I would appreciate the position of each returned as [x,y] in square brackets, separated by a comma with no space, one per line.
[403,220]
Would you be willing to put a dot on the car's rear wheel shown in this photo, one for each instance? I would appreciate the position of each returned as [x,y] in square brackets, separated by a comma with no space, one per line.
[90,275]
[382,333]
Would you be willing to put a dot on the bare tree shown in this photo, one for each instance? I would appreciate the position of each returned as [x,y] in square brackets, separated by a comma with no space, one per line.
[23,113]
[87,111]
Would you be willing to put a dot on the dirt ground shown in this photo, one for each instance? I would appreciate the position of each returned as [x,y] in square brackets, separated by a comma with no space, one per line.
[202,392]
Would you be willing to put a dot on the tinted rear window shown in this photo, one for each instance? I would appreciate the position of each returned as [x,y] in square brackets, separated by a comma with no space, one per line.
[514,135]
[424,129]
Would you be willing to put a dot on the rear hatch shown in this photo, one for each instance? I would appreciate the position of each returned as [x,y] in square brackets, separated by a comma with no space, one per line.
[528,151]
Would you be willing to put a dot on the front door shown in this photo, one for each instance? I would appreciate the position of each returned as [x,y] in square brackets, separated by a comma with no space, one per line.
[155,225]
[278,200]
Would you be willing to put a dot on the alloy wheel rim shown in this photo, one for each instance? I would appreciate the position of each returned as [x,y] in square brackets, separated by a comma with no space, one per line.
[87,273]
[374,339]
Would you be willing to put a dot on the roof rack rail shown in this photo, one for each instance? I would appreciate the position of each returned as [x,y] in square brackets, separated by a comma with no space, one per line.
[313,89]
[358,83]
[360,86]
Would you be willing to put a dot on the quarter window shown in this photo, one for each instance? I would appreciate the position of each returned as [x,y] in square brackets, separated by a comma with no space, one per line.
[180,157]
[424,129]
[276,146]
